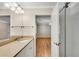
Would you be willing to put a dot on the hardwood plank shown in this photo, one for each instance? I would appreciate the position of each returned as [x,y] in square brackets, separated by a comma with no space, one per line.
[43,47]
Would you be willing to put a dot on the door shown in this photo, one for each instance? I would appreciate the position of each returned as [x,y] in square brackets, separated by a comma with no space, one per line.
[72,30]
[69,31]
[62,40]
[43,41]
[55,32]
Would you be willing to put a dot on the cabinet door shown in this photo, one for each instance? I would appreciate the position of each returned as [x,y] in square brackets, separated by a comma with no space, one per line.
[27,51]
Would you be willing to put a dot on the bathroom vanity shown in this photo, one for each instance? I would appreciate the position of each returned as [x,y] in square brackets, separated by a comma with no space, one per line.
[21,47]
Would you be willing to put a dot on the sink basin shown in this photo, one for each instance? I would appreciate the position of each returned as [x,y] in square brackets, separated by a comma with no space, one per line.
[22,40]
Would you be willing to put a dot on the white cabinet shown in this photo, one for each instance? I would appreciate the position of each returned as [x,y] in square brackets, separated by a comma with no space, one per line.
[28,20]
[27,51]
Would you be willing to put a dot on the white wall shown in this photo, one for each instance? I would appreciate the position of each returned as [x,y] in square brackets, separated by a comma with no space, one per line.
[43,31]
[43,27]
[28,19]
[55,32]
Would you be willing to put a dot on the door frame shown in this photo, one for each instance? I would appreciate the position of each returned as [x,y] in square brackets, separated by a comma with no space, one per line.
[55,31]
[36,27]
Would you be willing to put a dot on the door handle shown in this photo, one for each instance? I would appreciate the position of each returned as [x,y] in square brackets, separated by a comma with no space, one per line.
[58,44]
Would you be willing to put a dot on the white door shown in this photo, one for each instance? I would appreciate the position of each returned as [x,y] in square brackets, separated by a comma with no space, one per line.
[72,30]
[55,32]
[62,40]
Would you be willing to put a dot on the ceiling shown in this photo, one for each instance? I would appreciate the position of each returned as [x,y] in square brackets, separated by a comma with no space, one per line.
[26,5]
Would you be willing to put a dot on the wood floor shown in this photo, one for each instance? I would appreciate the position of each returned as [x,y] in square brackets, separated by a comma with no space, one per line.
[43,47]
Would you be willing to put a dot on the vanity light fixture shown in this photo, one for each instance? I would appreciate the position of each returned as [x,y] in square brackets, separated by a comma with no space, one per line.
[14,7]
[16,11]
[22,11]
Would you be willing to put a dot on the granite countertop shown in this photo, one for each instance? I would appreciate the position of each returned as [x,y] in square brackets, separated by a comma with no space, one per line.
[12,48]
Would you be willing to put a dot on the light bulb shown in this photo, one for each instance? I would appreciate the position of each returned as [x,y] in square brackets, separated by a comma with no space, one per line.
[16,12]
[7,5]
[22,11]
[12,8]
[19,9]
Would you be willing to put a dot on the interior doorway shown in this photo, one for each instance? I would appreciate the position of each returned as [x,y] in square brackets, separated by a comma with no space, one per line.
[43,41]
